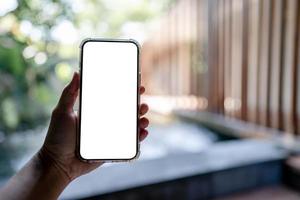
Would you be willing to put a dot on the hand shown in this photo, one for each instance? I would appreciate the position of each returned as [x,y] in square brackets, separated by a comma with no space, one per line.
[60,143]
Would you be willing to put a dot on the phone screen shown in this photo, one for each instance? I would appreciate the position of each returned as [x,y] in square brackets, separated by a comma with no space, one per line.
[108,113]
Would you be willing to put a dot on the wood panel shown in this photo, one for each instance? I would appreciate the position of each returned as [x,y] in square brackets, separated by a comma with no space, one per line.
[212,56]
[263,65]
[227,50]
[221,56]
[236,57]
[245,46]
[295,99]
[243,56]
[297,73]
[275,51]
[253,52]
[288,78]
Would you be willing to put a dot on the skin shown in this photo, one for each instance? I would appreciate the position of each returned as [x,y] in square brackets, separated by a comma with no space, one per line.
[55,165]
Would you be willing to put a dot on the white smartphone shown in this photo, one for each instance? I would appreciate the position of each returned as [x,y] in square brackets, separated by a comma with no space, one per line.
[109,100]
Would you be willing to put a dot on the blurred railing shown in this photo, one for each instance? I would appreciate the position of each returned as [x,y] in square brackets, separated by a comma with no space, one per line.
[241,56]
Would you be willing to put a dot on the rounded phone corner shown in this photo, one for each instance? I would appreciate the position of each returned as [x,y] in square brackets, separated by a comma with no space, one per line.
[80,157]
[84,41]
[87,160]
[135,42]
[135,157]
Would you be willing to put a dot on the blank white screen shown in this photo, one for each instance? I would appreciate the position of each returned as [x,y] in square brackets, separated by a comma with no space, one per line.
[109,100]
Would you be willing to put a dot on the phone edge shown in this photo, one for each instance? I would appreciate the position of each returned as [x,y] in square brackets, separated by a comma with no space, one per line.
[136,156]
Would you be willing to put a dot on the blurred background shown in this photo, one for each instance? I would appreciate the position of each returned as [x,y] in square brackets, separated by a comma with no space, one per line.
[222,83]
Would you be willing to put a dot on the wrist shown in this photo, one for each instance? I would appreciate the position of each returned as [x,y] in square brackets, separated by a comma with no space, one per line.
[50,169]
[39,178]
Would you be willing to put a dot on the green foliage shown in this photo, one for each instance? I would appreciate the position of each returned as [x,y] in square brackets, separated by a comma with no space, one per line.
[24,89]
[34,64]
[26,95]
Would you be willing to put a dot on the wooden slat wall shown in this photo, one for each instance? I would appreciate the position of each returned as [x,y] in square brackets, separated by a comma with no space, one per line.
[242,56]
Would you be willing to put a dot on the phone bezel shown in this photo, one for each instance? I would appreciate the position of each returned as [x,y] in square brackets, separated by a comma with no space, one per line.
[80,97]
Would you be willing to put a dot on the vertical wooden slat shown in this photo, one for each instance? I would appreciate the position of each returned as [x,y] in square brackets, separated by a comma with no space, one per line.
[194,45]
[200,29]
[201,49]
[157,61]
[298,78]
[212,56]
[269,58]
[289,49]
[180,50]
[175,51]
[202,69]
[275,59]
[253,59]
[188,23]
[245,59]
[259,40]
[220,49]
[263,62]
[227,49]
[169,50]
[295,100]
[236,57]
[281,70]
[184,51]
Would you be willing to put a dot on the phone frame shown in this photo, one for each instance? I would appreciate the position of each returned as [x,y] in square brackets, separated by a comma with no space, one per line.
[80,98]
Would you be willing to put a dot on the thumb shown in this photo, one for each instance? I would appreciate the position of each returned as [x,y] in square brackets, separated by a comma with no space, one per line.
[69,95]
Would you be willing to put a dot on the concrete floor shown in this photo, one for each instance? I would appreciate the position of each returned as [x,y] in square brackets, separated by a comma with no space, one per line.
[278,192]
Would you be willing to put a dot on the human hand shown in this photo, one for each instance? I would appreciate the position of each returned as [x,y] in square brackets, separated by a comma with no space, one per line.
[59,147]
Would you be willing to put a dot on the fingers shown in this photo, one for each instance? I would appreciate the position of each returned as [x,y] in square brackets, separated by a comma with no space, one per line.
[143,134]
[143,109]
[142,89]
[144,122]
[69,95]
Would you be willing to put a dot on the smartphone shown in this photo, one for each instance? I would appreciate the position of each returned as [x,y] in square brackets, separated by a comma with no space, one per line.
[109,100]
